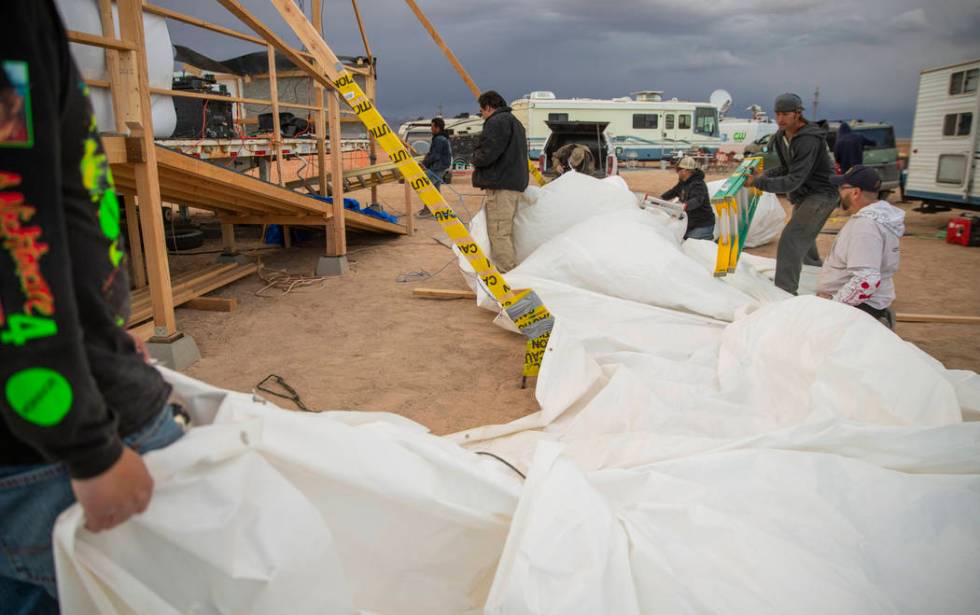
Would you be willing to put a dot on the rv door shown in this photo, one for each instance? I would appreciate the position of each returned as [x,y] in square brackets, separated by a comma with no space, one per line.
[670,126]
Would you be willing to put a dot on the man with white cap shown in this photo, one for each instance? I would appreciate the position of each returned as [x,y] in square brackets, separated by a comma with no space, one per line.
[803,174]
[693,192]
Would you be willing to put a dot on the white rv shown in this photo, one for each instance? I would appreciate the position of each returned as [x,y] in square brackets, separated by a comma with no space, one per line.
[418,133]
[644,128]
[942,161]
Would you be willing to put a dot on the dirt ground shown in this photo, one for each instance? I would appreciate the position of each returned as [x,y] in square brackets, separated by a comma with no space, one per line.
[363,342]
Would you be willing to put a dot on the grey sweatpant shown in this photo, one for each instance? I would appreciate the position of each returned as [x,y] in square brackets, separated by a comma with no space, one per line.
[798,243]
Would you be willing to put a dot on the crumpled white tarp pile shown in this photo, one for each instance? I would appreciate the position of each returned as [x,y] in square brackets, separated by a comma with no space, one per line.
[704,445]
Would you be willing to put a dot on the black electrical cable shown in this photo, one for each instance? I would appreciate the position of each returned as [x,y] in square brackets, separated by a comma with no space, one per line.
[503,461]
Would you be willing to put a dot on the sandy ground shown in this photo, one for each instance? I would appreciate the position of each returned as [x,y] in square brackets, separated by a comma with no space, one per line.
[364,342]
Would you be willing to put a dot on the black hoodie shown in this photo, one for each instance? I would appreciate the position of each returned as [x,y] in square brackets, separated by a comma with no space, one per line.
[500,156]
[71,382]
[694,193]
[805,165]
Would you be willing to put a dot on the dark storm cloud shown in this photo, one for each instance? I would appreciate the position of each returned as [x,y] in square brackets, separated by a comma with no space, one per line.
[864,57]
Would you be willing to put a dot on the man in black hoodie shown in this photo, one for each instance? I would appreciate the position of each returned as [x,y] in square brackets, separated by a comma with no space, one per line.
[78,403]
[693,192]
[804,175]
[500,161]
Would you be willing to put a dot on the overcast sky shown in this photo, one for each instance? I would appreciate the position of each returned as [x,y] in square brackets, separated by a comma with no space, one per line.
[865,57]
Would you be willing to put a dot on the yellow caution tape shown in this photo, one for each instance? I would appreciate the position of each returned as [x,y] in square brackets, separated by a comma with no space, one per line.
[523,307]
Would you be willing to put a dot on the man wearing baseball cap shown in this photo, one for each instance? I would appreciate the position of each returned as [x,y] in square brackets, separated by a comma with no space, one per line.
[803,174]
[693,192]
[864,258]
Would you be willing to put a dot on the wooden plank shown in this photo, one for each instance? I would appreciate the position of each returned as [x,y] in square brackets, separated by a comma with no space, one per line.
[274,219]
[444,47]
[409,214]
[239,11]
[234,99]
[193,288]
[212,304]
[443,293]
[228,237]
[336,235]
[360,26]
[321,140]
[371,92]
[95,40]
[146,175]
[137,266]
[113,66]
[276,127]
[115,149]
[938,318]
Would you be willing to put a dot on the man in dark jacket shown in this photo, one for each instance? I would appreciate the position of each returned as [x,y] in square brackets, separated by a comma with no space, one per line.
[849,148]
[438,159]
[804,175]
[693,192]
[78,403]
[500,167]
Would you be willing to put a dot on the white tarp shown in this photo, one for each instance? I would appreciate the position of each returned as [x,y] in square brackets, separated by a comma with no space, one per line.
[801,458]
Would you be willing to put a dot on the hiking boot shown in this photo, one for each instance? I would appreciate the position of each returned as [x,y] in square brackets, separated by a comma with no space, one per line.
[423,213]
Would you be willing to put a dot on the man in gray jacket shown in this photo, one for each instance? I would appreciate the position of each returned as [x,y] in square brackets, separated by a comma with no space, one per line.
[861,264]
[804,175]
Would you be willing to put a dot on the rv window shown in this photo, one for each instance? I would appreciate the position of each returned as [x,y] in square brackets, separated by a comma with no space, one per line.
[669,121]
[952,169]
[645,120]
[957,124]
[684,122]
[964,81]
[970,80]
[557,117]
[949,125]
[706,121]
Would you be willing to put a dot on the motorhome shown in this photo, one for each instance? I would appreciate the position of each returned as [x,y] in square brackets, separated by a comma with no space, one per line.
[645,127]
[944,150]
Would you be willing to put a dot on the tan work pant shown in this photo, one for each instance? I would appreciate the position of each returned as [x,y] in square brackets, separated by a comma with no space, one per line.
[501,207]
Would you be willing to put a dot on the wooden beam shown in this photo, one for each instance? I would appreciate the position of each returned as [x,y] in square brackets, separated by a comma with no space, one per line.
[938,318]
[212,304]
[371,84]
[146,175]
[276,127]
[95,40]
[233,99]
[113,68]
[137,265]
[275,219]
[228,237]
[444,47]
[409,214]
[441,293]
[336,235]
[364,39]
[191,286]
[274,39]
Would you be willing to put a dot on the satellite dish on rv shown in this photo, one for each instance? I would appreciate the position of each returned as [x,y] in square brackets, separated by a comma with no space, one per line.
[721,99]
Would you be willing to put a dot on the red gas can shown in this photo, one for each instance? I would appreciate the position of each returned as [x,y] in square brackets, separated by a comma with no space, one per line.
[964,231]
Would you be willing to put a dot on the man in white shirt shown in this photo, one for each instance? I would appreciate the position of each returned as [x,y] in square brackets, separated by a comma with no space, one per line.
[864,258]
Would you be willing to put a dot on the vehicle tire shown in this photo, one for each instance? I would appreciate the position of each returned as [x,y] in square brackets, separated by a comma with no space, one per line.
[181,240]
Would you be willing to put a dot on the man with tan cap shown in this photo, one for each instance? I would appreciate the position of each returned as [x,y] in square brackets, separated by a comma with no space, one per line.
[693,193]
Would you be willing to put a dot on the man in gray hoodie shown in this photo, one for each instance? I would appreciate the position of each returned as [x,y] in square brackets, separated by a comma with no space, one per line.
[804,175]
[861,264]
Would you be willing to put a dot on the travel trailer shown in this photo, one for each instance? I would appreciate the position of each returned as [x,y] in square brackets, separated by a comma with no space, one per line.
[944,151]
[736,133]
[418,133]
[645,127]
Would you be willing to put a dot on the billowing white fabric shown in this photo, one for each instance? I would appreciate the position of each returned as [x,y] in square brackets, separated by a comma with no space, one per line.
[703,445]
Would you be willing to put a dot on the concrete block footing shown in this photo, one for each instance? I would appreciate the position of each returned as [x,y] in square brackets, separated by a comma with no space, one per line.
[332,266]
[177,353]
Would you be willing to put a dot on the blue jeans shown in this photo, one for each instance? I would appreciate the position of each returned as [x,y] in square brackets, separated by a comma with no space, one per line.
[31,498]
[701,232]
[435,179]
